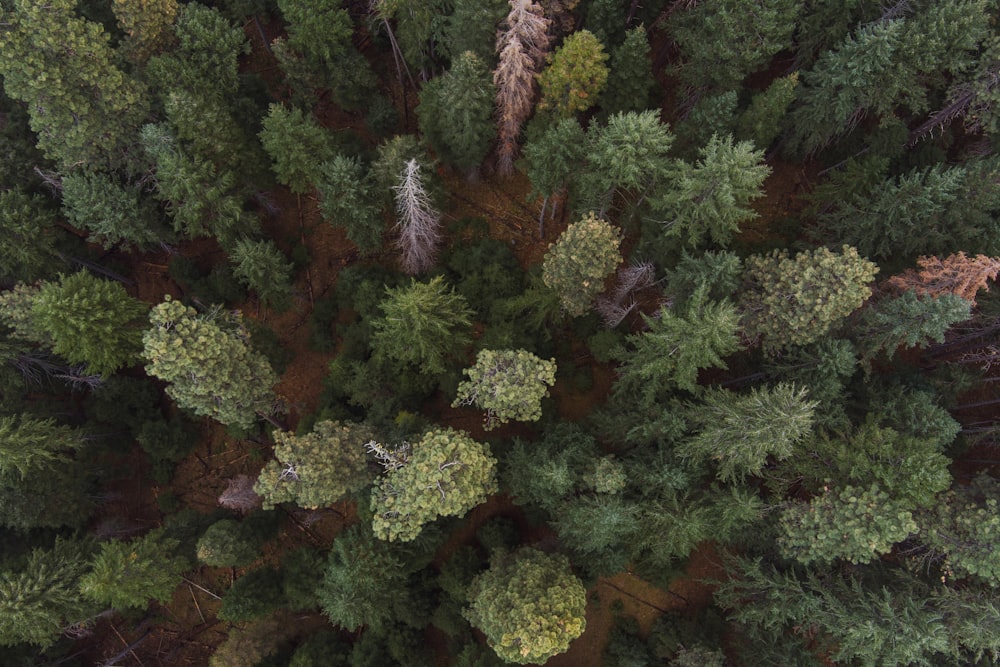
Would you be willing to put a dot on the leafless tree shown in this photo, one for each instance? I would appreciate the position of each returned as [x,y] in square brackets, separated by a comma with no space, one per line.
[615,304]
[418,222]
[239,495]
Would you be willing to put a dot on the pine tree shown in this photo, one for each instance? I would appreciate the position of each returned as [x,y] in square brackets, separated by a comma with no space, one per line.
[957,274]
[529,605]
[576,75]
[739,432]
[28,237]
[962,529]
[147,26]
[262,267]
[455,113]
[210,368]
[347,200]
[316,469]
[796,301]
[761,123]
[630,81]
[606,19]
[113,213]
[418,222]
[909,320]
[576,265]
[129,574]
[84,109]
[521,44]
[552,159]
[257,593]
[473,26]
[508,384]
[445,473]
[423,325]
[710,197]
[30,445]
[229,543]
[91,321]
[297,146]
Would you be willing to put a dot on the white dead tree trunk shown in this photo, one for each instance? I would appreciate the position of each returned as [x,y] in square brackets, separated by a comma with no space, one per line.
[418,222]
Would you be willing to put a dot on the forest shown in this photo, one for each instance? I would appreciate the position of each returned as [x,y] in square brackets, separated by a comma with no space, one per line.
[587,333]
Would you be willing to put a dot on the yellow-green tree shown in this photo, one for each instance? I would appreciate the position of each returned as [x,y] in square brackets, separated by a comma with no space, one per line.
[508,384]
[578,262]
[576,75]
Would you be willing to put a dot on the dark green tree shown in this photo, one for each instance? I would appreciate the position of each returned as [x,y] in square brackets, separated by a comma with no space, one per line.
[297,146]
[908,320]
[28,237]
[348,200]
[553,158]
[630,81]
[113,213]
[262,267]
[147,26]
[257,593]
[472,26]
[230,543]
[128,574]
[761,122]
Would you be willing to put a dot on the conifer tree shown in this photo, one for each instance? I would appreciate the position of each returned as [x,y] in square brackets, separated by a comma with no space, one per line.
[316,469]
[418,222]
[347,200]
[576,265]
[552,159]
[297,146]
[576,75]
[455,112]
[521,45]
[761,123]
[28,445]
[128,574]
[709,198]
[147,26]
[113,213]
[208,364]
[423,325]
[230,543]
[28,241]
[957,274]
[796,301]
[84,109]
[473,26]
[740,431]
[445,473]
[91,321]
[262,267]
[508,384]
[529,605]
[909,320]
[630,81]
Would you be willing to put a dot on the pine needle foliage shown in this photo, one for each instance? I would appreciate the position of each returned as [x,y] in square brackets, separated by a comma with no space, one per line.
[529,605]
[956,274]
[262,267]
[28,444]
[909,320]
[28,249]
[630,81]
[129,574]
[348,200]
[508,384]
[577,264]
[113,213]
[576,75]
[147,25]
[297,144]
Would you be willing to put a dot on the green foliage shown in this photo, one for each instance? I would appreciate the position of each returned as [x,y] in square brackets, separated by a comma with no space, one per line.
[740,431]
[456,112]
[347,200]
[679,343]
[422,325]
[146,26]
[715,272]
[447,473]
[761,122]
[230,543]
[529,605]
[257,593]
[129,574]
[710,116]
[631,82]
[325,647]
[855,524]
[576,75]
[472,26]
[91,321]
[508,384]
[28,249]
[909,320]
[797,301]
[316,469]
[554,156]
[112,213]
[710,197]
[963,528]
[17,314]
[576,265]
[262,267]
[30,445]
[208,364]
[297,145]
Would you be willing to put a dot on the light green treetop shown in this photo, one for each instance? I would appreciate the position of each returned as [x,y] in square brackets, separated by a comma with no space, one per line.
[130,574]
[578,262]
[445,473]
[508,384]
[576,75]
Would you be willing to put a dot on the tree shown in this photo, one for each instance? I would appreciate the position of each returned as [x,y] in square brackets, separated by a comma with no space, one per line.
[740,431]
[129,574]
[576,265]
[630,81]
[445,473]
[679,343]
[423,324]
[84,109]
[455,113]
[710,197]
[316,469]
[473,26]
[42,599]
[418,222]
[956,274]
[552,160]
[508,384]
[28,241]
[347,200]
[576,75]
[262,267]
[210,368]
[796,301]
[297,144]
[529,605]
[229,543]
[761,122]
[147,26]
[239,495]
[257,593]
[113,213]
[28,445]
[91,321]
[521,45]
[909,320]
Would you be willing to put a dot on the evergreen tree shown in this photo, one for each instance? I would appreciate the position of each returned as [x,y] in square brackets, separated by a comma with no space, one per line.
[553,158]
[129,574]
[262,267]
[529,605]
[711,115]
[147,26]
[473,26]
[111,212]
[210,368]
[762,121]
[423,325]
[229,543]
[316,469]
[909,320]
[347,200]
[606,19]
[962,529]
[796,301]
[710,197]
[957,275]
[257,593]
[297,146]
[576,75]
[28,242]
[418,222]
[576,265]
[445,473]
[84,109]
[30,445]
[630,81]
[91,321]
[740,431]
[455,113]
[508,384]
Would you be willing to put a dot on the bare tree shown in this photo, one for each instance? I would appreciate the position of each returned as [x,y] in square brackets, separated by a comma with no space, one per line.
[419,223]
[521,47]
[615,304]
[239,495]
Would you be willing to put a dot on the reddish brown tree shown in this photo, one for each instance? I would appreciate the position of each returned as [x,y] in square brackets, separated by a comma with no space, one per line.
[521,45]
[956,274]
